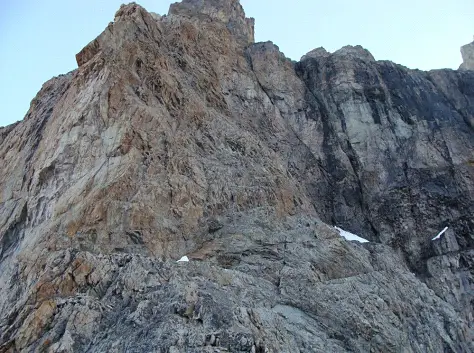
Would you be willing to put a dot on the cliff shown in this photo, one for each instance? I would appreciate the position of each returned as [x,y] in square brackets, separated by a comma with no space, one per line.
[467,52]
[179,136]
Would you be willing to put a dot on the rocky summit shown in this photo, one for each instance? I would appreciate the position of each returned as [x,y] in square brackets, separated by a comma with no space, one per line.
[467,52]
[179,137]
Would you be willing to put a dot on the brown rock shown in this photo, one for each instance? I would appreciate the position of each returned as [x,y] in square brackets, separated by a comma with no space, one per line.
[179,136]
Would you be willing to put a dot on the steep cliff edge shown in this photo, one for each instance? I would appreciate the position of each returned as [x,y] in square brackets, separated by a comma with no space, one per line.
[178,135]
[467,53]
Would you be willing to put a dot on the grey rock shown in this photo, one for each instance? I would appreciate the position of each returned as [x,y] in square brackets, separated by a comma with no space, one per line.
[354,52]
[447,243]
[179,136]
[366,299]
[467,52]
[381,127]
[214,224]
[316,53]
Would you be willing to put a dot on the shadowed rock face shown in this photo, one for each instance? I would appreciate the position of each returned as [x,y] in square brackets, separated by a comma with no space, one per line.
[177,135]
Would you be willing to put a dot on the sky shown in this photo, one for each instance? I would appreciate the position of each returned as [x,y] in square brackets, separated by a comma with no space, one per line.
[39,39]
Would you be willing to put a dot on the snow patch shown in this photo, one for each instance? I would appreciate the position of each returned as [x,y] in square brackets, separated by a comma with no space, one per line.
[349,236]
[440,234]
[183,259]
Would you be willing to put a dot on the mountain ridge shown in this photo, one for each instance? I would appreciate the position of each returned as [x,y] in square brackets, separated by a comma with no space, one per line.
[177,136]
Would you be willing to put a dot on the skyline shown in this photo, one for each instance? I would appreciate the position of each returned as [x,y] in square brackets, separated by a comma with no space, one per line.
[40,40]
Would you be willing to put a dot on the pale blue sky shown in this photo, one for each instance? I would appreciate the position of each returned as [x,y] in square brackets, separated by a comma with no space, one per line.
[39,39]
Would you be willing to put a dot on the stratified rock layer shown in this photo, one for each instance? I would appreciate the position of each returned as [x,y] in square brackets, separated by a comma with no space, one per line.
[178,136]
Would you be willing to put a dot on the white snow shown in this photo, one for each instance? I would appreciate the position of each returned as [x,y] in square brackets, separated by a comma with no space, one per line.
[349,236]
[183,259]
[440,234]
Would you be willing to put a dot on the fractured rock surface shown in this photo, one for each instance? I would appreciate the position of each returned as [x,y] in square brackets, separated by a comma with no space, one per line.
[179,136]
[467,52]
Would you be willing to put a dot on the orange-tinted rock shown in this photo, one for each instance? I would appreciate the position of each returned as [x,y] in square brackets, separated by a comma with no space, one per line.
[178,136]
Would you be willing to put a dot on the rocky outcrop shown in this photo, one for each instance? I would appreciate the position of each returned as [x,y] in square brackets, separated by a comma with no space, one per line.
[229,12]
[467,52]
[316,53]
[178,136]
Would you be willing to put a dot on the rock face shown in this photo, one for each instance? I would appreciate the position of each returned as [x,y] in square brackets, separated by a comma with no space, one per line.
[229,12]
[178,136]
[467,52]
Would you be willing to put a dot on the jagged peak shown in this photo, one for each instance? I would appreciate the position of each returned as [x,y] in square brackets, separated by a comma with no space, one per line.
[348,51]
[127,13]
[355,52]
[127,10]
[229,12]
[316,53]
[467,52]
